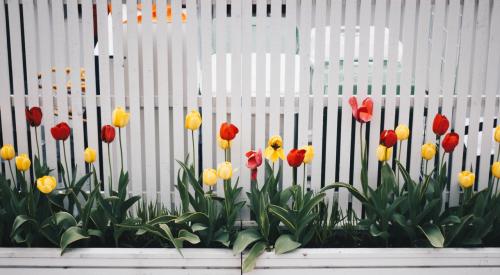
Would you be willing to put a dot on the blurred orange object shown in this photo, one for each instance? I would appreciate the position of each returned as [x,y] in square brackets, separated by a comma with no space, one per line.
[154,16]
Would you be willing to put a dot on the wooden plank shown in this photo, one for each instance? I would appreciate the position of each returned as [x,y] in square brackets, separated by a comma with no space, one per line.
[318,94]
[136,171]
[421,66]
[206,89]
[260,92]
[462,91]
[491,91]
[289,87]
[305,77]
[333,93]
[407,66]
[18,87]
[377,86]
[45,69]
[246,98]
[392,64]
[74,55]
[236,88]
[347,91]
[105,85]
[30,45]
[163,104]
[275,39]
[58,46]
[479,61]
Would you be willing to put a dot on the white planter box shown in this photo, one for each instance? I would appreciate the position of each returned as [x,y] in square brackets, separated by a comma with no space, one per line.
[122,261]
[386,261]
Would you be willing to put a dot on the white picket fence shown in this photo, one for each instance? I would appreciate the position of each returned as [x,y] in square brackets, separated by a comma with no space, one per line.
[269,66]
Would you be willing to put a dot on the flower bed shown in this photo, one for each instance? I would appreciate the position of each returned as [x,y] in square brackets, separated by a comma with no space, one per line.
[400,211]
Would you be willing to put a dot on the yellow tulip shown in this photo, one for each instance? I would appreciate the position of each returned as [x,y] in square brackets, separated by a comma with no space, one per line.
[224,144]
[384,153]
[497,133]
[495,169]
[466,179]
[402,131]
[23,162]
[225,170]
[309,154]
[193,120]
[428,151]
[209,177]
[120,117]
[89,155]
[7,152]
[46,184]
[274,149]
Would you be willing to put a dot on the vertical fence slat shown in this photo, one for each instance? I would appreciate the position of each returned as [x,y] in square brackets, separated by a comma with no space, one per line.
[406,76]
[289,87]
[149,103]
[163,103]
[76,92]
[377,86]
[45,65]
[134,98]
[16,56]
[478,79]
[260,92]
[178,87]
[275,50]
[246,97]
[305,77]
[491,90]
[318,94]
[59,74]
[333,92]
[89,73]
[118,72]
[462,92]
[347,91]
[421,63]
[206,89]
[30,43]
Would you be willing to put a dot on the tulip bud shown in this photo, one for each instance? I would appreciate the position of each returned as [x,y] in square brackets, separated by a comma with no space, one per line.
[295,157]
[428,151]
[193,120]
[7,152]
[89,155]
[224,144]
[495,169]
[388,138]
[34,116]
[449,142]
[209,177]
[402,131]
[225,170]
[228,131]
[61,131]
[497,133]
[23,162]
[440,124]
[274,149]
[309,154]
[466,179]
[107,133]
[384,153]
[120,117]
[46,184]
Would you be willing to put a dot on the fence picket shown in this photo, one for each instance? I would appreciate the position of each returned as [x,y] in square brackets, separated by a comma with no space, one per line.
[5,105]
[260,92]
[391,86]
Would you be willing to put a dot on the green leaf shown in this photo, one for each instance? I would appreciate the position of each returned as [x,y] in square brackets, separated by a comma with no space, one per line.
[198,227]
[283,215]
[187,236]
[285,244]
[19,221]
[64,219]
[222,236]
[251,259]
[349,187]
[192,217]
[433,234]
[244,239]
[70,236]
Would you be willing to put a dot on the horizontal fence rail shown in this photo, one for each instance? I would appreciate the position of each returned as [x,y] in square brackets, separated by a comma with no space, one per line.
[270,67]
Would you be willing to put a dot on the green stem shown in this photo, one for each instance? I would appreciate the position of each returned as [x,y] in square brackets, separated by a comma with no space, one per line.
[110,171]
[400,148]
[65,163]
[194,157]
[361,140]
[121,150]
[498,152]
[304,183]
[12,174]
[37,144]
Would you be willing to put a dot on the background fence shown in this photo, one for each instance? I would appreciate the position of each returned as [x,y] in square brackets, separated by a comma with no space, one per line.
[269,66]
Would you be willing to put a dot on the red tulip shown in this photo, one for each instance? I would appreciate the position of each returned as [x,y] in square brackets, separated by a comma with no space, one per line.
[295,157]
[253,162]
[450,141]
[61,131]
[364,113]
[228,131]
[107,133]
[388,138]
[440,124]
[34,116]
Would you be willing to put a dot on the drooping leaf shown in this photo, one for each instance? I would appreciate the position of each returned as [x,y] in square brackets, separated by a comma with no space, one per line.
[244,239]
[433,234]
[251,259]
[71,235]
[285,244]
